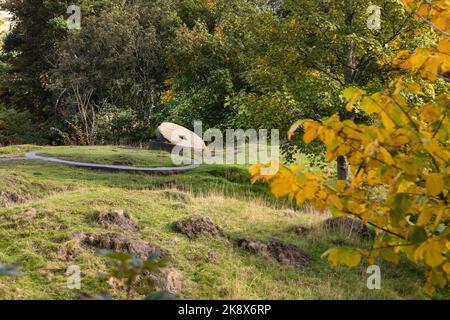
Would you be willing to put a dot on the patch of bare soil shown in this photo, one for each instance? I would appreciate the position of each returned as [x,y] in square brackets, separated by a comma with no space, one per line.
[197,226]
[283,253]
[349,226]
[118,243]
[115,218]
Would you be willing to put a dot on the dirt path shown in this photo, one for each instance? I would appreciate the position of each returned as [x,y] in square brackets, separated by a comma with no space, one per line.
[34,156]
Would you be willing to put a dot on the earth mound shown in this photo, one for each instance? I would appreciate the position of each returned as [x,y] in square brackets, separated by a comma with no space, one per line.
[118,243]
[195,227]
[283,253]
[115,218]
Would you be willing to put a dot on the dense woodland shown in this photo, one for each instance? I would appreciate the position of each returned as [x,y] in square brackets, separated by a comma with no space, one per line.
[231,63]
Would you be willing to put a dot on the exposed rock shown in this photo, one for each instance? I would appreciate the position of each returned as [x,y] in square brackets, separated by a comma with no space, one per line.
[197,226]
[349,226]
[118,243]
[285,254]
[115,218]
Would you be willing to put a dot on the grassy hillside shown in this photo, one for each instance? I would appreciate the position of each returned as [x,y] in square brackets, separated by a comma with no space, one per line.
[111,155]
[42,206]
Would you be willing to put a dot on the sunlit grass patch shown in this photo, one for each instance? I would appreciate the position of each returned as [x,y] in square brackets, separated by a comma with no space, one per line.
[17,151]
[111,155]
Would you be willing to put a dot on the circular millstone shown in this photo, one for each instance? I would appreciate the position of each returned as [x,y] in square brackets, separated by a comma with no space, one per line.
[179,136]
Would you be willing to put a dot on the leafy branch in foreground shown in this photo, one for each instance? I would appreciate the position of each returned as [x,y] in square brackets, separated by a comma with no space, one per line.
[9,270]
[405,153]
[126,270]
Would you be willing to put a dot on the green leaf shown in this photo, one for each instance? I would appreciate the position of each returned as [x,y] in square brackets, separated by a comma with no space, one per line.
[400,206]
[119,256]
[162,295]
[418,236]
[8,270]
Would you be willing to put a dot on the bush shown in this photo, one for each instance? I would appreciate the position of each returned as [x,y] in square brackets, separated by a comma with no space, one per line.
[16,127]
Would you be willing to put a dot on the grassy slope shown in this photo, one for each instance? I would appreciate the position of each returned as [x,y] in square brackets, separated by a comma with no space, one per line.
[212,268]
[110,155]
[17,151]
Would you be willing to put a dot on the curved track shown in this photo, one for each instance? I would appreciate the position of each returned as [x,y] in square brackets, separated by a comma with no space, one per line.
[34,156]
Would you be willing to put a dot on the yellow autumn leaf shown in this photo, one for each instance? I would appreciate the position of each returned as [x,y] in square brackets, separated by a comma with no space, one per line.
[414,88]
[373,178]
[430,69]
[444,45]
[434,184]
[300,198]
[281,187]
[425,217]
[293,129]
[369,106]
[352,95]
[343,256]
[334,201]
[431,252]
[311,131]
[341,185]
[433,255]
[416,61]
[387,157]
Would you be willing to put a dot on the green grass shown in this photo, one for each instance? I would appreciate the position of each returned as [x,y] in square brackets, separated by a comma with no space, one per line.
[111,155]
[65,198]
[17,151]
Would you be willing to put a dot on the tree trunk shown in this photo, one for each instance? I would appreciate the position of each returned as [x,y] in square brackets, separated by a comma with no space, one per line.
[349,71]
[342,168]
[349,77]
